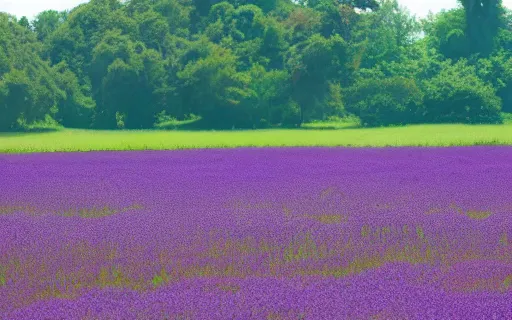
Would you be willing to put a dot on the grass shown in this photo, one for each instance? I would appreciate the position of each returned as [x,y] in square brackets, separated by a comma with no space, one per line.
[68,140]
[507,117]
[349,122]
[329,125]
[48,124]
[174,124]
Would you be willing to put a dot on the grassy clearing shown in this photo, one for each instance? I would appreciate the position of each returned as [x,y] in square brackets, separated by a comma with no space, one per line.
[68,140]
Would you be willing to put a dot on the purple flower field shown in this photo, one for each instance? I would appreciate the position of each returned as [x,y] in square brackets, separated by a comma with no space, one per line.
[290,233]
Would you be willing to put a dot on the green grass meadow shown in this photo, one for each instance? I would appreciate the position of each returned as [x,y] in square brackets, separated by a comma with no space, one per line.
[68,140]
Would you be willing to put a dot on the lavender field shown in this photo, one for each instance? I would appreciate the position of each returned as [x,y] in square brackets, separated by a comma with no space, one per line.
[290,233]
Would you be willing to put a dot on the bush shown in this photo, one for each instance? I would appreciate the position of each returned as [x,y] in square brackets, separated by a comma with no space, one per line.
[457,94]
[263,124]
[120,120]
[497,70]
[289,113]
[395,100]
[506,117]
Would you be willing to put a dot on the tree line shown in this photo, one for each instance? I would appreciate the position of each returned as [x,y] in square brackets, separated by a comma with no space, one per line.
[109,64]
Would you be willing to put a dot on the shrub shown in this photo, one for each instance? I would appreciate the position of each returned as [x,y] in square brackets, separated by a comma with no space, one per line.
[457,94]
[395,100]
[289,113]
[120,120]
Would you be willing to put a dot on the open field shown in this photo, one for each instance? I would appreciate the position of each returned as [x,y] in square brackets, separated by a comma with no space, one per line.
[420,135]
[295,233]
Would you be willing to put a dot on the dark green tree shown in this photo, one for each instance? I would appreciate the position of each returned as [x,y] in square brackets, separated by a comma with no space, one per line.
[28,90]
[312,65]
[387,101]
[483,20]
[446,33]
[47,22]
[457,94]
[254,63]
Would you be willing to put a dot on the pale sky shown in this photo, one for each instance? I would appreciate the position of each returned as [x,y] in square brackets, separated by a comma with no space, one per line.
[30,8]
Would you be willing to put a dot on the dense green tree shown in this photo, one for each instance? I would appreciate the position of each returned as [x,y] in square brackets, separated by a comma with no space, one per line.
[274,44]
[303,23]
[120,19]
[15,92]
[212,88]
[394,100]
[254,63]
[265,5]
[28,90]
[249,22]
[313,63]
[114,47]
[497,71]
[75,39]
[483,21]
[503,41]
[446,33]
[47,22]
[24,23]
[385,34]
[76,110]
[457,94]
[339,16]
[270,99]
[177,13]
[153,29]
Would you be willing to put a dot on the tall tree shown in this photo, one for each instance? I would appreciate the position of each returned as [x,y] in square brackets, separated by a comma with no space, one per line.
[28,87]
[47,22]
[312,65]
[483,20]
[446,33]
[385,34]
[250,63]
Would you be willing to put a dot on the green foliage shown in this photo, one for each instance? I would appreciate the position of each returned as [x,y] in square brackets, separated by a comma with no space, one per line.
[177,15]
[3,280]
[153,29]
[274,44]
[456,94]
[303,23]
[334,101]
[253,64]
[265,5]
[386,101]
[507,117]
[28,90]
[497,70]
[483,21]
[76,109]
[446,34]
[334,122]
[337,18]
[213,89]
[385,34]
[23,22]
[15,91]
[47,124]
[269,103]
[313,63]
[47,22]
[248,20]
[157,281]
